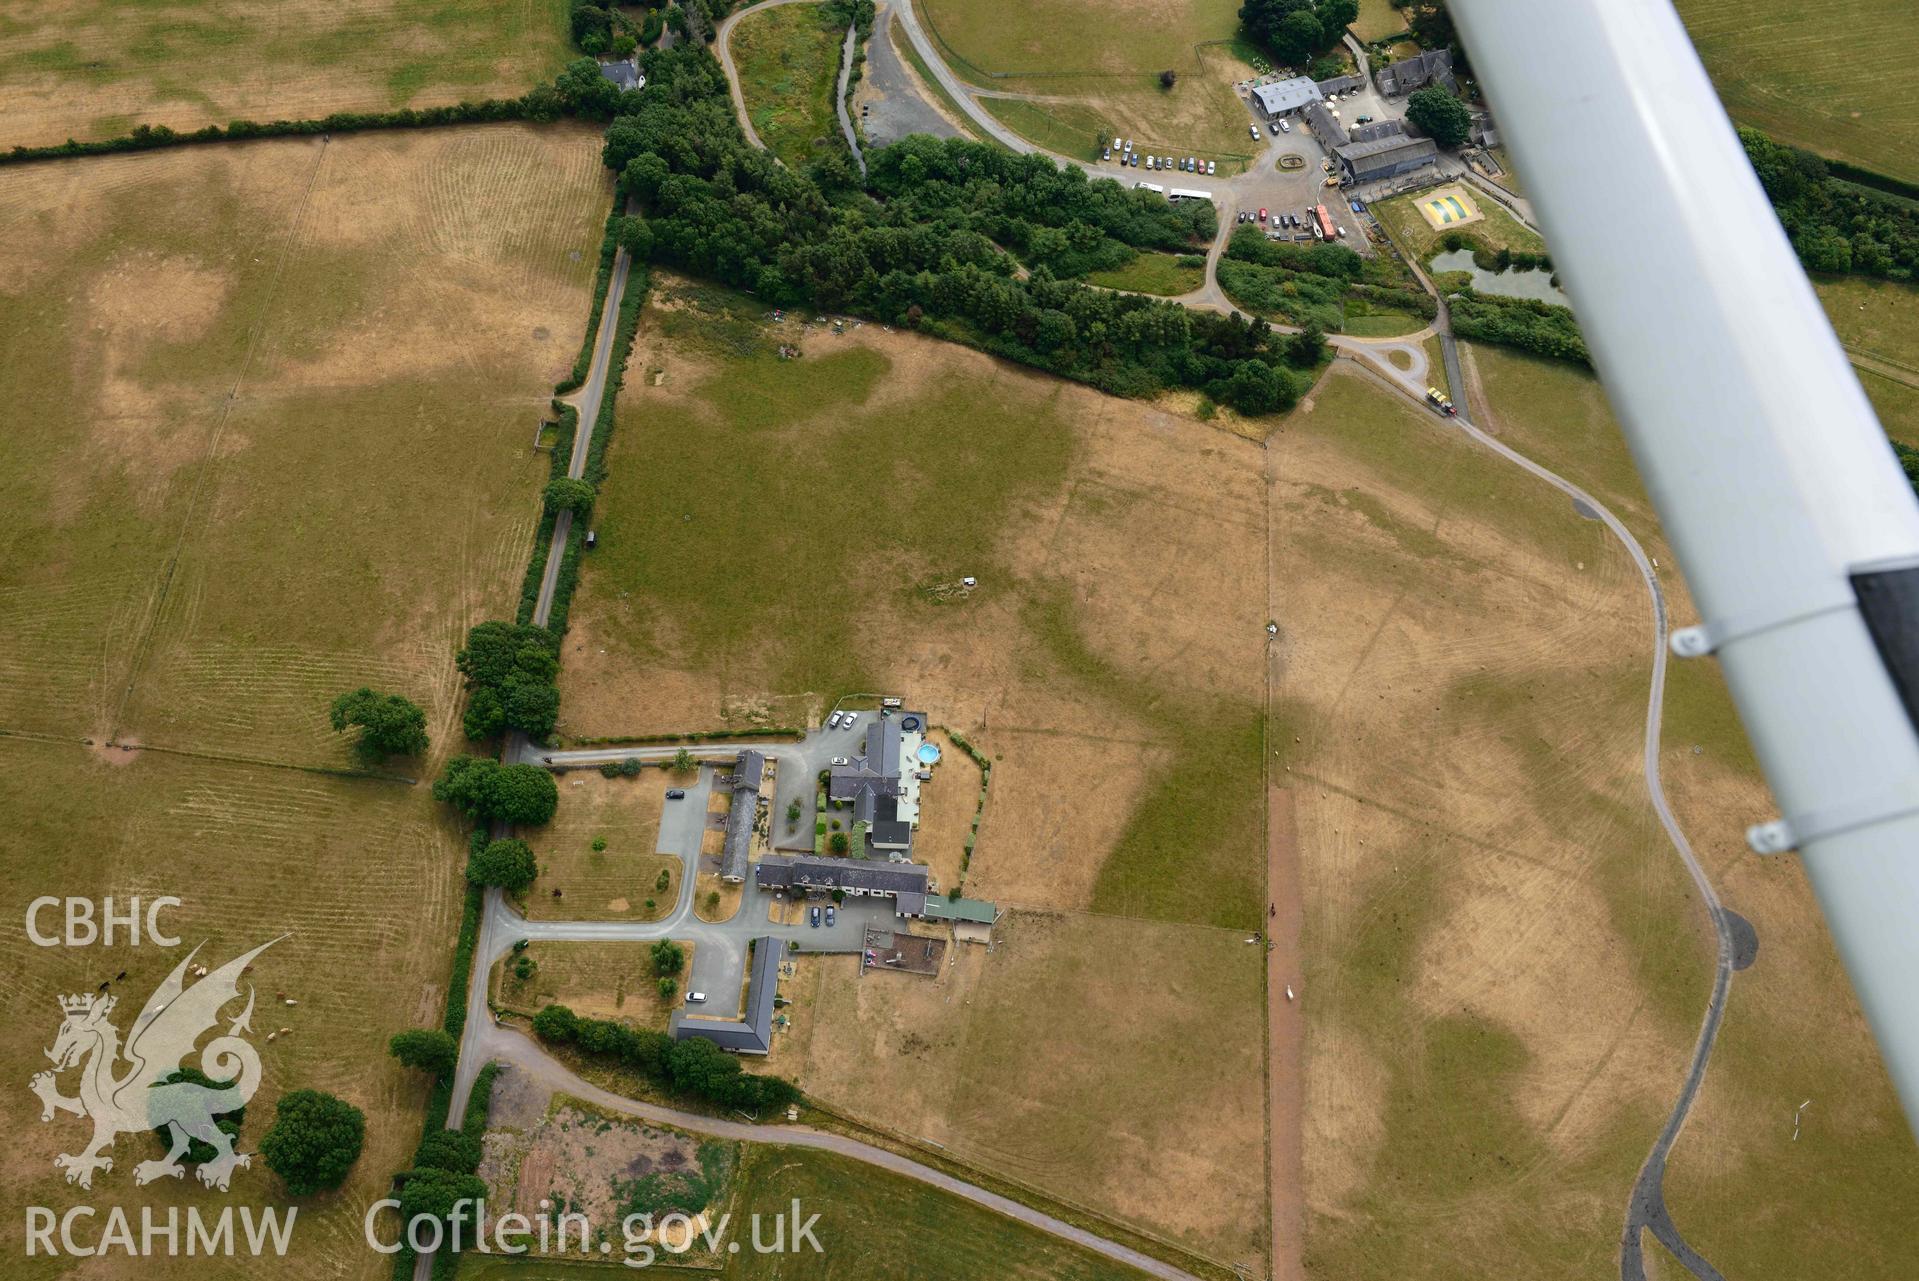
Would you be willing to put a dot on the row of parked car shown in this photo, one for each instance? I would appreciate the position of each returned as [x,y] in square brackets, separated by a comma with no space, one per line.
[1128,156]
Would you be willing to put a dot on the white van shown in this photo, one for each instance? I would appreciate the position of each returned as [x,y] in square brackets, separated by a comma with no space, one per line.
[696,998]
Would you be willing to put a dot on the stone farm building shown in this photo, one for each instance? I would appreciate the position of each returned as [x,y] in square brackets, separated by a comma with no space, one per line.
[752,1032]
[1432,66]
[749,775]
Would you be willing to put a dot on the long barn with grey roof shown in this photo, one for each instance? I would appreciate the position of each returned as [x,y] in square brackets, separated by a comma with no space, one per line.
[748,775]
[752,1033]
[1385,157]
[848,875]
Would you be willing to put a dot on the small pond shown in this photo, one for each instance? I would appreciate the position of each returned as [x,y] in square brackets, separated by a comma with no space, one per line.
[1530,282]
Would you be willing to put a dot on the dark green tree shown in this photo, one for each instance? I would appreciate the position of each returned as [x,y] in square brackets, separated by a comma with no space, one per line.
[485,715]
[556,1024]
[496,651]
[467,784]
[1909,462]
[569,493]
[634,235]
[525,795]
[429,1193]
[507,863]
[487,791]
[1335,16]
[448,1150]
[668,957]
[1305,348]
[1440,115]
[389,724]
[314,1140]
[429,1049]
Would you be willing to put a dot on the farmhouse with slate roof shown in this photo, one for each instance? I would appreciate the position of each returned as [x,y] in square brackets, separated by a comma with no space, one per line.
[1432,66]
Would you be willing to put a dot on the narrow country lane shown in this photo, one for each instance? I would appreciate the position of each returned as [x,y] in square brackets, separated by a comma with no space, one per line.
[587,401]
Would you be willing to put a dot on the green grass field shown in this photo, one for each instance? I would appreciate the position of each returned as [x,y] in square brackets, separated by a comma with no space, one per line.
[1417,239]
[1878,321]
[95,71]
[984,41]
[789,63]
[1559,416]
[1839,79]
[1092,73]
[1152,273]
[1377,20]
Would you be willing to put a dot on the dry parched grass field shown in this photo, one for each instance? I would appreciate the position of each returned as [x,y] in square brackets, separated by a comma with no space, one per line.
[1748,1196]
[780,531]
[1504,969]
[1115,1064]
[71,70]
[363,879]
[618,881]
[281,396]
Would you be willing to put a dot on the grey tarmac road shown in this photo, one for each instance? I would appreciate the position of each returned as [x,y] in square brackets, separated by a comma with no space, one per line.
[587,400]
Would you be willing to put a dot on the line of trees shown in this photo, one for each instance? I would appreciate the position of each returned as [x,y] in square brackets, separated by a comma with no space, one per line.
[693,1067]
[1316,285]
[934,243]
[1541,328]
[1834,226]
[148,137]
[511,671]
[1295,30]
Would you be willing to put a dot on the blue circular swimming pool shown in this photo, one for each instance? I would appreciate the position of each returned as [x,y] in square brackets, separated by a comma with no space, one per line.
[928,753]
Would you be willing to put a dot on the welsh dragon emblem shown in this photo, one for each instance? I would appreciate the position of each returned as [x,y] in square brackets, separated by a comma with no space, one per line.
[140,1097]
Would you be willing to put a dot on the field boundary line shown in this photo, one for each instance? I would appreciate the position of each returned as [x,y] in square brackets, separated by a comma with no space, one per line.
[1124,916]
[199,754]
[212,459]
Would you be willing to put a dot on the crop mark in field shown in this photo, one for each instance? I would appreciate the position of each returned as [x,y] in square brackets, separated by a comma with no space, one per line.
[145,641]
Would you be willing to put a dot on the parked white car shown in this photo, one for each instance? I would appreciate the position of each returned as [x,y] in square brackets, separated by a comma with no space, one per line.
[1253,130]
[1212,166]
[1285,126]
